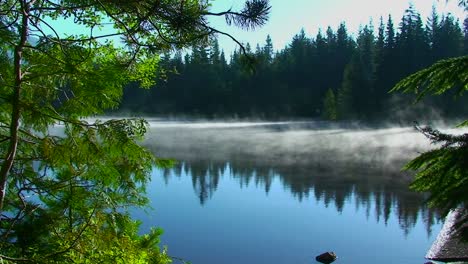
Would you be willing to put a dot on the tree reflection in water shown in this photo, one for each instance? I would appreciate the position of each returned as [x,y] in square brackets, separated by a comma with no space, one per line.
[328,164]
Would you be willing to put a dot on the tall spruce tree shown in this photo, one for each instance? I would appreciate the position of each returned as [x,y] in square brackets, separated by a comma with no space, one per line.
[450,39]
[359,75]
[432,31]
[379,74]
[268,50]
[413,49]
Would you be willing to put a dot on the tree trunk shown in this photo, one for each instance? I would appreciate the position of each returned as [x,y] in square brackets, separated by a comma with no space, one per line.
[15,101]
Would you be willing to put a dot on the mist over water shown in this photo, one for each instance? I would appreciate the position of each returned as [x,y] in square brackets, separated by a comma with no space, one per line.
[286,142]
[236,184]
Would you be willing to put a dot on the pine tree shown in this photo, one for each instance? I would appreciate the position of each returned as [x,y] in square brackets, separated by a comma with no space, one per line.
[391,63]
[390,35]
[344,101]
[380,43]
[450,39]
[358,79]
[411,43]
[329,111]
[268,49]
[380,71]
[433,30]
[215,53]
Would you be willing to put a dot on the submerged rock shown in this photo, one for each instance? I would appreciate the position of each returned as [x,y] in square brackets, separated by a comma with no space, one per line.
[326,258]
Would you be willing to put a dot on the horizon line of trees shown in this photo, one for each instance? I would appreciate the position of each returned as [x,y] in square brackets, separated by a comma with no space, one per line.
[332,75]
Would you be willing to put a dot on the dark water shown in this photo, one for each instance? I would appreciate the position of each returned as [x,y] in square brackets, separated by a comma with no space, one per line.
[286,192]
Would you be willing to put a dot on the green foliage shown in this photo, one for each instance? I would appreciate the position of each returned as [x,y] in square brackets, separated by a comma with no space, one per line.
[443,171]
[66,178]
[80,182]
[254,14]
[329,106]
[104,238]
[294,81]
[344,103]
[437,79]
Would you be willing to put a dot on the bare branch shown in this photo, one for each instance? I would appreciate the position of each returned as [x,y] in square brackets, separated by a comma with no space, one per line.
[3,257]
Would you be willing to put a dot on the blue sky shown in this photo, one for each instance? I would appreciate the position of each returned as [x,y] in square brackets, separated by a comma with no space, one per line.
[289,16]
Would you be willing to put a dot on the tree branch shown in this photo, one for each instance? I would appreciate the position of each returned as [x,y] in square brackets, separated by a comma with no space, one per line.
[230,36]
[3,257]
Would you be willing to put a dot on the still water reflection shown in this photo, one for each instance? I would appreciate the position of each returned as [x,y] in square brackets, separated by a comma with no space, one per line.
[286,192]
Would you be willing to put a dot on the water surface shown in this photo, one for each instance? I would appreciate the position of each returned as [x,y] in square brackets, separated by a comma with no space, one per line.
[286,192]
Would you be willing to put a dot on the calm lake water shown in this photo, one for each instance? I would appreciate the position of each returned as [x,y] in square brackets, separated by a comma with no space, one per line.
[286,192]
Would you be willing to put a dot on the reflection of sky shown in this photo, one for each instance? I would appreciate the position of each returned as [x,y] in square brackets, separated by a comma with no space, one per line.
[246,225]
[286,192]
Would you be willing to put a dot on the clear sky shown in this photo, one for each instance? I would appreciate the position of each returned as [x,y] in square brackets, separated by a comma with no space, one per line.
[288,17]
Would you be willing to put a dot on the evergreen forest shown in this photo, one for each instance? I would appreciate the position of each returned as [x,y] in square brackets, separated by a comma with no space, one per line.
[335,75]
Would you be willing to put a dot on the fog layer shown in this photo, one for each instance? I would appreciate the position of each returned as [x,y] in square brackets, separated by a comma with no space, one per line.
[285,142]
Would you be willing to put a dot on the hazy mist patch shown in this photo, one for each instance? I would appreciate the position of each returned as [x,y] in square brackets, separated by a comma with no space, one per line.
[286,142]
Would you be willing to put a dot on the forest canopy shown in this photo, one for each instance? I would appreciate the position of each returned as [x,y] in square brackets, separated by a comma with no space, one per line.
[335,74]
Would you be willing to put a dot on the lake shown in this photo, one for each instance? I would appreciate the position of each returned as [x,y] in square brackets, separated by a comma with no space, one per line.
[285,192]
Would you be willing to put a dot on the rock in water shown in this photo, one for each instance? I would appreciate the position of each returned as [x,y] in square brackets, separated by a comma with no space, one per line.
[327,257]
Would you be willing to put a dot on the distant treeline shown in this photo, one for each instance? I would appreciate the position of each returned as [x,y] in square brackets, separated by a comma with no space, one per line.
[333,76]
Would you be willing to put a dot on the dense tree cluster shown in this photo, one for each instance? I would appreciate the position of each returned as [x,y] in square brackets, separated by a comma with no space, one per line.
[332,75]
